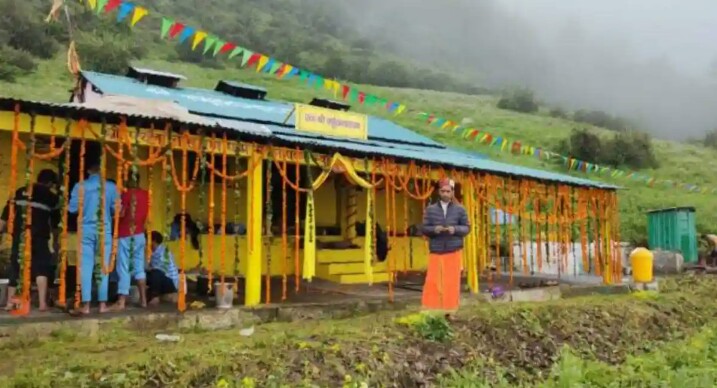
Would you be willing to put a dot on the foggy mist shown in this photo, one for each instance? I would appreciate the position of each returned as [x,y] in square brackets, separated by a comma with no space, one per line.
[652,61]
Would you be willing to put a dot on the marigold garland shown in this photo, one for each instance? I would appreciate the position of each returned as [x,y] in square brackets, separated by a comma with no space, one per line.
[65,194]
[25,242]
[223,246]
[80,215]
[101,267]
[268,214]
[284,237]
[235,221]
[297,158]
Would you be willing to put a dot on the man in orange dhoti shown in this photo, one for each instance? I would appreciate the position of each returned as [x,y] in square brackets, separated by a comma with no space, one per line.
[445,224]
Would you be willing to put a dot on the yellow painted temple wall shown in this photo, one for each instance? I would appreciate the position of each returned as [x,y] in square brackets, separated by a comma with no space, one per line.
[328,211]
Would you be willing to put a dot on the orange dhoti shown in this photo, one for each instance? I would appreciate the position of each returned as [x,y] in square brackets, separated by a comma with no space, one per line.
[442,290]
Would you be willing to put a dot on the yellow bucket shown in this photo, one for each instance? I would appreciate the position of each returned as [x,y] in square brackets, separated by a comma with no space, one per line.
[641,262]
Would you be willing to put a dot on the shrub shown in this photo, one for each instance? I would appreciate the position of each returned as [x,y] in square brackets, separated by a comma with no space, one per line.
[584,145]
[558,113]
[710,139]
[106,53]
[14,63]
[630,149]
[599,118]
[519,100]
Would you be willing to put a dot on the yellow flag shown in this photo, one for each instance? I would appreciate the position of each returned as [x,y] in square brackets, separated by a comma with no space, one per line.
[400,109]
[309,239]
[198,38]
[138,14]
[92,4]
[287,69]
[263,60]
[336,88]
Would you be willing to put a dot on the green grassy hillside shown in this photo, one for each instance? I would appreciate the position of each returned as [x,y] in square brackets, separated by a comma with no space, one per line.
[678,161]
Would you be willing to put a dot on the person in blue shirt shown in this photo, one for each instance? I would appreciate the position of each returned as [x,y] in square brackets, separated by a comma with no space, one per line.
[90,232]
[162,274]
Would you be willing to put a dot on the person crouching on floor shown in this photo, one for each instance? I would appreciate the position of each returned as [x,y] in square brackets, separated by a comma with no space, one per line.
[162,273]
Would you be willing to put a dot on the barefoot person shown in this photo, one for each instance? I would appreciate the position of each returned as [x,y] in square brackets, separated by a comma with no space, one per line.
[44,221]
[91,202]
[445,224]
[132,241]
[162,274]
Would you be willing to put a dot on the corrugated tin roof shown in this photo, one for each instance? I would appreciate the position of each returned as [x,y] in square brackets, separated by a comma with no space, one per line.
[213,103]
[445,156]
[385,137]
[77,111]
[287,136]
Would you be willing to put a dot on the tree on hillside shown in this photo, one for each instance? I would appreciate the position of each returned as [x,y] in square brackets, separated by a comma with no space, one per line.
[710,139]
[519,100]
[631,149]
[599,118]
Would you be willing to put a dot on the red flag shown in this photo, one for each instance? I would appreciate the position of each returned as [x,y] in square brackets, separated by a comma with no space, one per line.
[227,47]
[112,4]
[252,60]
[431,117]
[362,97]
[345,90]
[473,134]
[280,71]
[175,29]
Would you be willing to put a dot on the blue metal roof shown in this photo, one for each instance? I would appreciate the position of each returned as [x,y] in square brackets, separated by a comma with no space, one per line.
[443,156]
[211,102]
[385,137]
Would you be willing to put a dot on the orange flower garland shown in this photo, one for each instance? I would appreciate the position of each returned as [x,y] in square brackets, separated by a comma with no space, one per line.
[297,158]
[284,237]
[80,215]
[65,218]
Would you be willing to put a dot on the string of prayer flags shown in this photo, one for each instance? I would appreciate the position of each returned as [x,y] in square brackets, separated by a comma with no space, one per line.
[171,29]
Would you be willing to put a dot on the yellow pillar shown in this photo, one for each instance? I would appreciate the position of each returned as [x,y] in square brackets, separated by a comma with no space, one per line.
[471,252]
[351,214]
[254,233]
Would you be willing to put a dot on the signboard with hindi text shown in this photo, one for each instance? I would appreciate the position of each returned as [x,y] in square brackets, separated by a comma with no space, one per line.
[331,122]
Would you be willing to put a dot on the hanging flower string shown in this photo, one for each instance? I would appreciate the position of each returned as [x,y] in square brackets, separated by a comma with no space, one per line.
[65,173]
[80,214]
[25,242]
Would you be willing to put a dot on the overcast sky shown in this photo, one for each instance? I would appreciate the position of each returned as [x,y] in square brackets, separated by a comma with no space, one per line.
[685,31]
[653,61]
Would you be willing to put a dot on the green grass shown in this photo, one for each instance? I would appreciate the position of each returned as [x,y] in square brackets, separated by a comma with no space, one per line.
[678,161]
[516,344]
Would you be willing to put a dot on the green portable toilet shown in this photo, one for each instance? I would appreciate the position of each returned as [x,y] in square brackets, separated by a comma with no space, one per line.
[674,230]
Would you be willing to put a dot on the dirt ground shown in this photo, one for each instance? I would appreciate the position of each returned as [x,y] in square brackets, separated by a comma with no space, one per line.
[521,340]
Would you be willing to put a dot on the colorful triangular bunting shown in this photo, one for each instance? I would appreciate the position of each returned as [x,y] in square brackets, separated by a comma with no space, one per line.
[235,52]
[124,11]
[209,42]
[186,33]
[199,36]
[139,13]
[166,25]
